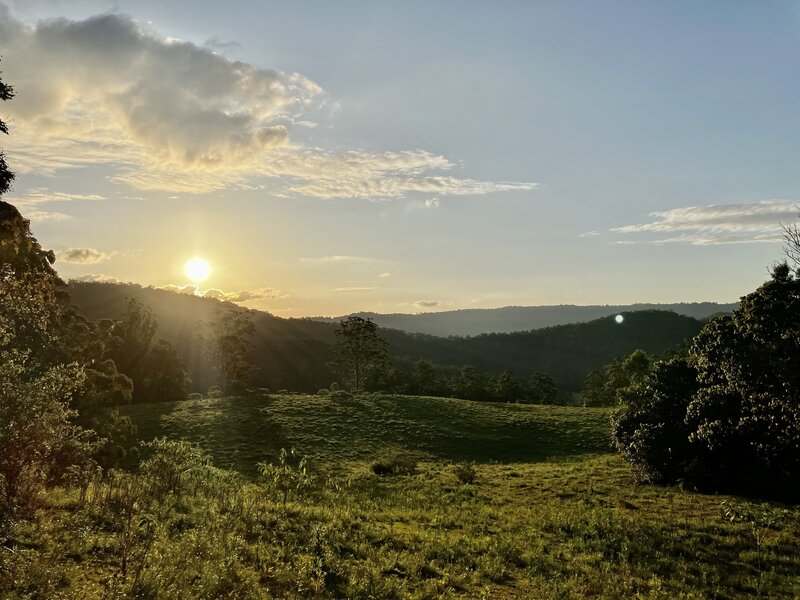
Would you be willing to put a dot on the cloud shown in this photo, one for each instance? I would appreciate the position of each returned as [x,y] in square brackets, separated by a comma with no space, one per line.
[257,294]
[242,296]
[384,275]
[420,205]
[170,115]
[427,303]
[713,224]
[96,278]
[82,256]
[354,289]
[323,260]
[34,204]
[189,289]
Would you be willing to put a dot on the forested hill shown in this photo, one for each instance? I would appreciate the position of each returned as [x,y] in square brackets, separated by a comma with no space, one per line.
[293,353]
[474,321]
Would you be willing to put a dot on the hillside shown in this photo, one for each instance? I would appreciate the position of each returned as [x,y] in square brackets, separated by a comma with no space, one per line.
[238,432]
[509,319]
[292,354]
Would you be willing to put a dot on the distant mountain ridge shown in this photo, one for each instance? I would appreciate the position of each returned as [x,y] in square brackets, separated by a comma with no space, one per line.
[292,354]
[511,319]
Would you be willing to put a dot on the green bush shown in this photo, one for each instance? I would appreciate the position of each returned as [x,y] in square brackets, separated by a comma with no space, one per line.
[726,416]
[466,473]
[395,465]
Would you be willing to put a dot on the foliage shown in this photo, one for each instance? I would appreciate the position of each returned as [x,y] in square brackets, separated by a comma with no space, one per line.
[285,477]
[293,354]
[35,431]
[603,388]
[170,464]
[727,416]
[6,176]
[227,342]
[395,464]
[36,436]
[466,473]
[157,372]
[359,353]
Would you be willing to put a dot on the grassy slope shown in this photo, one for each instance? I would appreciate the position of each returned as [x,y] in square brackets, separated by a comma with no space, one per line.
[576,527]
[238,432]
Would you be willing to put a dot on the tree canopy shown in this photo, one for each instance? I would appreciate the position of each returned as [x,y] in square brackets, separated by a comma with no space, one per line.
[726,415]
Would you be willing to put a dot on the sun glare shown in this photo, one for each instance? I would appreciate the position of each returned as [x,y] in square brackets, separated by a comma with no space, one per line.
[197,269]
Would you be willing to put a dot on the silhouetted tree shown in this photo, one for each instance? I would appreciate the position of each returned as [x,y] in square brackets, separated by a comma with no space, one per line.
[228,340]
[156,370]
[542,389]
[165,376]
[359,353]
[507,388]
[6,176]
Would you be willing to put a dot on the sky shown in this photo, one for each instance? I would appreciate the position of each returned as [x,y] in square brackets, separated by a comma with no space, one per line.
[332,157]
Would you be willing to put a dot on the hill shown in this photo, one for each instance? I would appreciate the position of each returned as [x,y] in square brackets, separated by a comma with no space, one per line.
[474,321]
[292,354]
[238,432]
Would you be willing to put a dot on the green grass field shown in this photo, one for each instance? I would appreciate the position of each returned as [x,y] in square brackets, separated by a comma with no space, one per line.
[239,432]
[552,513]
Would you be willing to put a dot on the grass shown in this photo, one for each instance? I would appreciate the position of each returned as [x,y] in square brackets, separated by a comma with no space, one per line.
[239,432]
[548,512]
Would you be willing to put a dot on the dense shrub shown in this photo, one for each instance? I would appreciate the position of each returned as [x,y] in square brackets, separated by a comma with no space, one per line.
[466,473]
[399,464]
[727,416]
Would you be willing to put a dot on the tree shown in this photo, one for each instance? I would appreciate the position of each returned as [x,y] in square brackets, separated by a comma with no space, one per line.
[727,415]
[791,246]
[228,342]
[507,387]
[157,372]
[602,388]
[6,176]
[359,353]
[542,389]
[35,427]
[165,375]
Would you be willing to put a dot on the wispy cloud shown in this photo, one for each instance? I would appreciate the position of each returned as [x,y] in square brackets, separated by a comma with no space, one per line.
[170,115]
[244,295]
[82,256]
[96,278]
[427,303]
[239,297]
[713,224]
[354,289]
[337,258]
[384,275]
[35,204]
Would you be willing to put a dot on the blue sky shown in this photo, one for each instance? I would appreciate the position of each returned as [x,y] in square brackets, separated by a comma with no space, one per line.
[409,156]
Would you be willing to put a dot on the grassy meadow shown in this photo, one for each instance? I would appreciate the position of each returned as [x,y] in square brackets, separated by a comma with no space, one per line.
[499,501]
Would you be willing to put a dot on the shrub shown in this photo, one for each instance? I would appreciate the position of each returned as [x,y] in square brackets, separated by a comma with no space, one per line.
[284,477]
[727,415]
[395,465]
[466,473]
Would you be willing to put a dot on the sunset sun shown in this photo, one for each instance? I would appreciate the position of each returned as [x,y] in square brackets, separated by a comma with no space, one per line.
[197,269]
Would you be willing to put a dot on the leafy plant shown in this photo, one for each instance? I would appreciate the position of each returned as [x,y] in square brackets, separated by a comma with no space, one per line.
[284,477]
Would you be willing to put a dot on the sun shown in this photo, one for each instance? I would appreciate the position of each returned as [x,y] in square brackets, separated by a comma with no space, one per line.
[197,269]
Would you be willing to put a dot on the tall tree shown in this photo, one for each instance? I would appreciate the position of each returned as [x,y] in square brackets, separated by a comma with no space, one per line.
[227,341]
[35,427]
[359,354]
